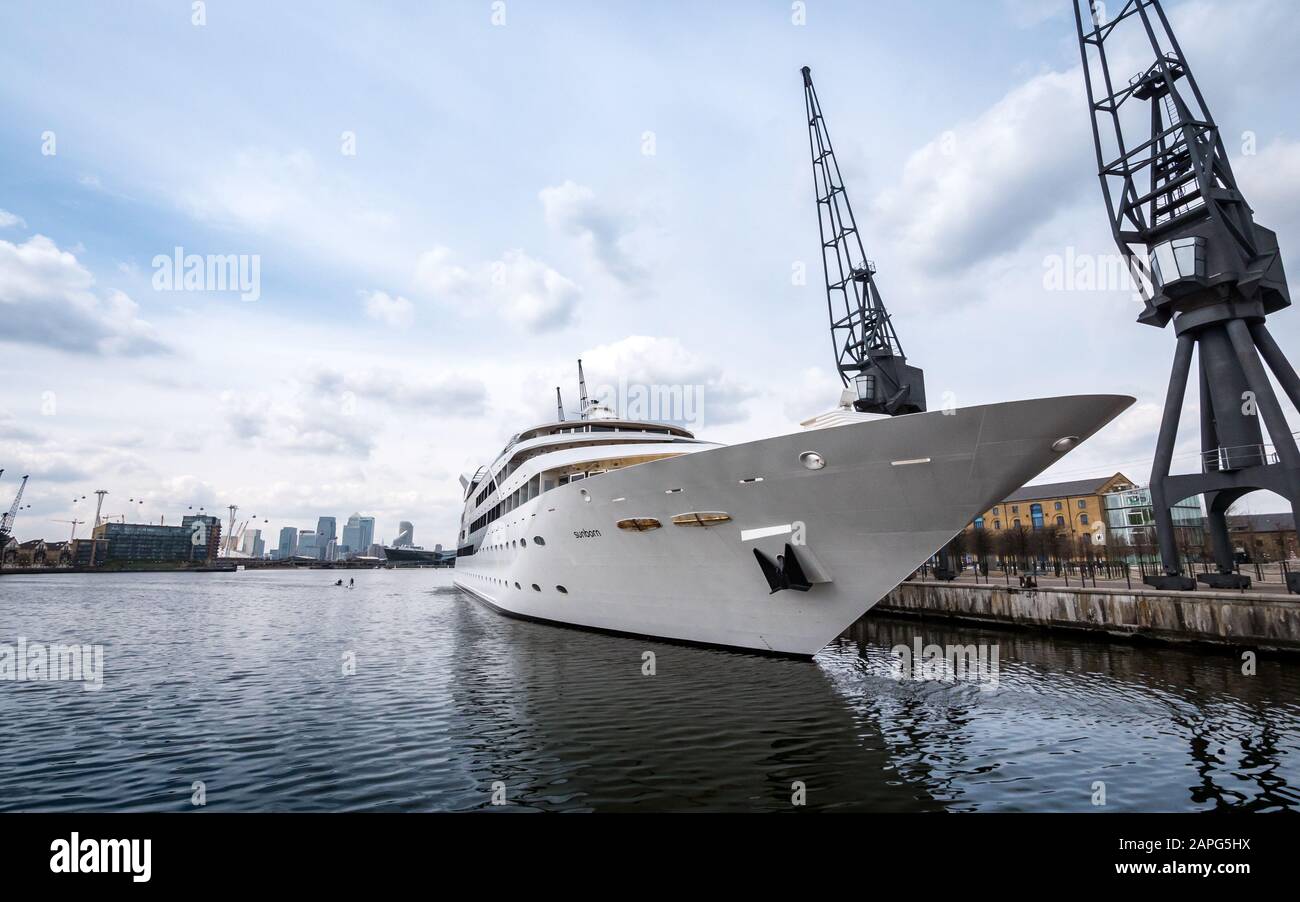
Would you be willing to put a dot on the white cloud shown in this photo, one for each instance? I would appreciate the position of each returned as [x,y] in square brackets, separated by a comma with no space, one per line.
[980,190]
[1028,13]
[524,292]
[295,420]
[395,311]
[290,196]
[1270,181]
[8,220]
[666,364]
[48,298]
[604,234]
[437,274]
[448,395]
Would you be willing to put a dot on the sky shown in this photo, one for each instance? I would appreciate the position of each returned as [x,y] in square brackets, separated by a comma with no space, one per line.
[449,203]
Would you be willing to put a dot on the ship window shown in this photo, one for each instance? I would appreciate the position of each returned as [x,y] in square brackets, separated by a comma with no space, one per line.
[536,588]
[539,540]
[671,491]
[523,542]
[701,518]
[562,590]
[751,479]
[517,586]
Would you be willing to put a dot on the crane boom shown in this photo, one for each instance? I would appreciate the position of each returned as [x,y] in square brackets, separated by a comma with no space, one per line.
[7,522]
[868,354]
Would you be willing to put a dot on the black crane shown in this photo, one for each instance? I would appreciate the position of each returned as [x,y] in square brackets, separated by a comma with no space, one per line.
[868,354]
[1206,266]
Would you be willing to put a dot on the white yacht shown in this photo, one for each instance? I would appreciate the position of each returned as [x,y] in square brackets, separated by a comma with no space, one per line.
[775,545]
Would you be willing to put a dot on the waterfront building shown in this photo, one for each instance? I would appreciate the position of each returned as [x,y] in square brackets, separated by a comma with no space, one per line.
[307,543]
[201,527]
[405,535]
[358,534]
[326,534]
[89,552]
[1074,507]
[190,541]
[253,545]
[1131,523]
[1263,538]
[288,545]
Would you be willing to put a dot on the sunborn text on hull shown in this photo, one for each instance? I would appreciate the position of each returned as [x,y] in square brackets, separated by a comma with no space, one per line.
[774,545]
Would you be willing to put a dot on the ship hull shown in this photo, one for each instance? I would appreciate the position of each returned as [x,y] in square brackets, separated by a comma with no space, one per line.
[891,493]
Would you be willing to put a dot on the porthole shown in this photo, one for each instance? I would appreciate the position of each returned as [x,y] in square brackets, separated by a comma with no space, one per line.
[523,542]
[562,590]
[536,588]
[539,540]
[812,460]
[517,586]
[639,524]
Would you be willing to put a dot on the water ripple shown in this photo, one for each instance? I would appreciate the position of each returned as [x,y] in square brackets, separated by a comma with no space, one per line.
[238,681]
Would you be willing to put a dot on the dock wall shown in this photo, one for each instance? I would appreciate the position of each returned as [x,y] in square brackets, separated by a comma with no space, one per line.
[1230,619]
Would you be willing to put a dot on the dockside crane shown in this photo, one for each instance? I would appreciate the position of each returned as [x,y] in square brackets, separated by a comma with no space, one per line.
[75,523]
[868,354]
[1204,265]
[7,521]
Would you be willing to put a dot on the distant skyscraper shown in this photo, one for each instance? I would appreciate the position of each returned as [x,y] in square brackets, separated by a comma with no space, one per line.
[405,535]
[326,533]
[288,546]
[307,543]
[351,538]
[367,533]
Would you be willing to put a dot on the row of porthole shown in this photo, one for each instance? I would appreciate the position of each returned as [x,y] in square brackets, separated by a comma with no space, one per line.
[506,583]
[519,543]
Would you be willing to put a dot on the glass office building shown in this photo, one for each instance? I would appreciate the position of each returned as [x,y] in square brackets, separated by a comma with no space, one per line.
[1131,522]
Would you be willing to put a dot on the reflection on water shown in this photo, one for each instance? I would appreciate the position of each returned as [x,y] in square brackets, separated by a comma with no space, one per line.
[1165,729]
[236,680]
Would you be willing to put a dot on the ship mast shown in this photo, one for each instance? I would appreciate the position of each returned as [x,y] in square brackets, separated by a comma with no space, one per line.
[582,392]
